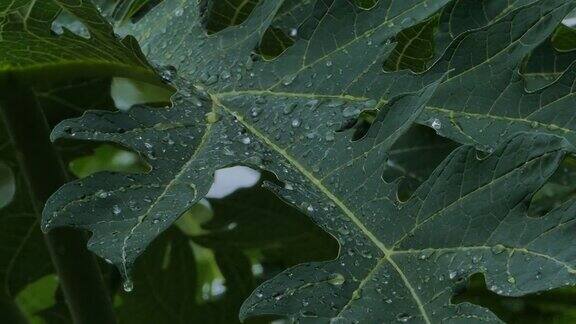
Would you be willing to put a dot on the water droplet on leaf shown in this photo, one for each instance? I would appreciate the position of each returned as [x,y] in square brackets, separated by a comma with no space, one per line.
[128,285]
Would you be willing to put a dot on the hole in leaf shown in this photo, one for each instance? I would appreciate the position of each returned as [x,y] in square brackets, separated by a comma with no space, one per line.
[38,296]
[67,22]
[273,43]
[414,49]
[223,14]
[126,93]
[548,61]
[228,180]
[108,157]
[414,157]
[560,188]
[239,218]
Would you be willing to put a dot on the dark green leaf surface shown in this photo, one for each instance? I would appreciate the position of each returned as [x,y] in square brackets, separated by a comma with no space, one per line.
[469,217]
[484,99]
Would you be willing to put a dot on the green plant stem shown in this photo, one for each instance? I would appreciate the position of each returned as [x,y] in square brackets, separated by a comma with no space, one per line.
[80,277]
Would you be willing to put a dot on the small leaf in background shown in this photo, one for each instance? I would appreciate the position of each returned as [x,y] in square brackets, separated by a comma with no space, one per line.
[37,297]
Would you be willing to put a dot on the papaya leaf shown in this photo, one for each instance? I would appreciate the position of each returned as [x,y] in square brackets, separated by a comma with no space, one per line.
[483,100]
[477,112]
[281,115]
[211,126]
[491,77]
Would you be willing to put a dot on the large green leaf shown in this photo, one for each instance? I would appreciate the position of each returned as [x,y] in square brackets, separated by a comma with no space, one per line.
[281,116]
[206,131]
[484,99]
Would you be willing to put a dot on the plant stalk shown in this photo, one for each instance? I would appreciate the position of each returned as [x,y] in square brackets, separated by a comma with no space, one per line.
[80,278]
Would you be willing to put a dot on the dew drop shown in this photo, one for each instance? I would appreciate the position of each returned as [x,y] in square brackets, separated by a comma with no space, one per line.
[498,248]
[167,73]
[407,21]
[436,124]
[296,122]
[427,253]
[212,117]
[128,285]
[289,79]
[101,194]
[255,111]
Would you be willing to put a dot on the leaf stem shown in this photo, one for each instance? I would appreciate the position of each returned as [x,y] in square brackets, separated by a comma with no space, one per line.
[86,295]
